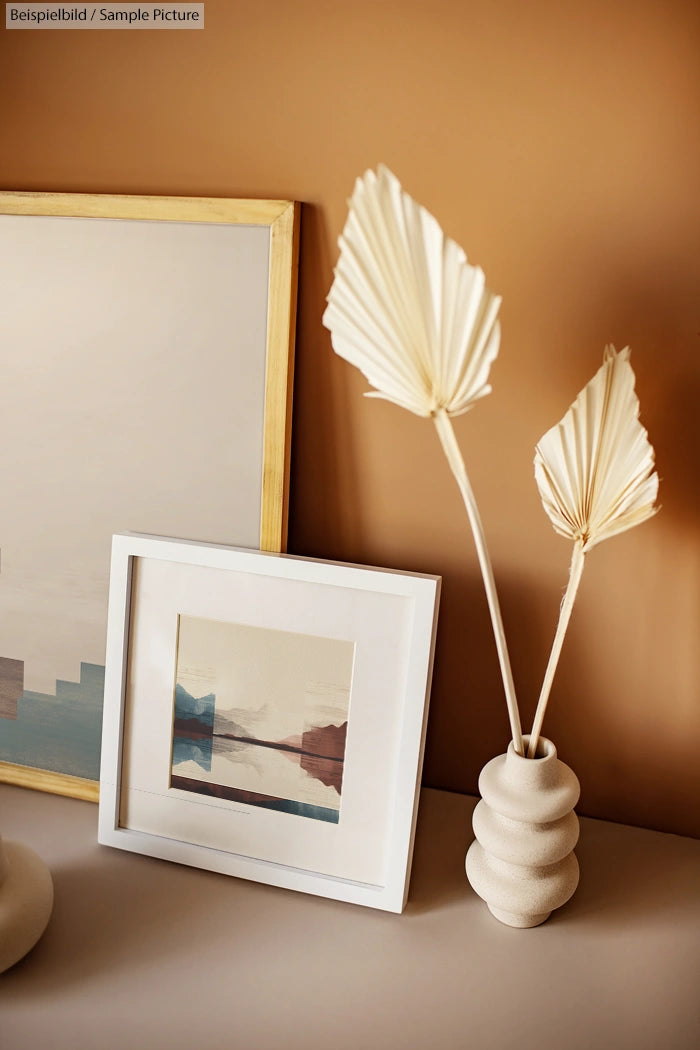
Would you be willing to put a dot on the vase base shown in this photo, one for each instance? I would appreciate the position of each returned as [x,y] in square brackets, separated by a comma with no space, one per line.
[26,900]
[521,920]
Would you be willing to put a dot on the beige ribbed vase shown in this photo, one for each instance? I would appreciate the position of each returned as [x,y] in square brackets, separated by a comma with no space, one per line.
[522,862]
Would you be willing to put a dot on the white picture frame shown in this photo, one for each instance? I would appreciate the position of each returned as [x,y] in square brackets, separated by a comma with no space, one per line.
[243,638]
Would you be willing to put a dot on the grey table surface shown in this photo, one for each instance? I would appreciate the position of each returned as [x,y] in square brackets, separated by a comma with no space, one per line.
[141,953]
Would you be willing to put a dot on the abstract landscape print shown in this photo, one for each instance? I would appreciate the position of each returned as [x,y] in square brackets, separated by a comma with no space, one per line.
[260,716]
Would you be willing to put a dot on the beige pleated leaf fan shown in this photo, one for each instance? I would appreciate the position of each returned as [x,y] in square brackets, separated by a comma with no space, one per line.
[595,469]
[595,473]
[408,310]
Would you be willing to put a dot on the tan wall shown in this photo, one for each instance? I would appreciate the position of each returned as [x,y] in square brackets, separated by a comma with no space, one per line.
[558,143]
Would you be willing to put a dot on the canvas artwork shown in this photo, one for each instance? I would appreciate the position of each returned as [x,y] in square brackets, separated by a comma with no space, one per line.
[154,311]
[260,716]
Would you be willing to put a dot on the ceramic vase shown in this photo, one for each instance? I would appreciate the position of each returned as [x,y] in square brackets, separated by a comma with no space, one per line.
[26,901]
[522,862]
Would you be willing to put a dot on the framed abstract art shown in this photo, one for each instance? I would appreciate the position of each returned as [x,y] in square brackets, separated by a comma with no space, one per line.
[265,715]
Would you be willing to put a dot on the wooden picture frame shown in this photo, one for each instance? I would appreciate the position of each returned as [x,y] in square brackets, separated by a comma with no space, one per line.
[265,715]
[148,347]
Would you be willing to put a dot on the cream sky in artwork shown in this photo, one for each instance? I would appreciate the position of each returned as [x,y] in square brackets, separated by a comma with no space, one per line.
[132,353]
[286,681]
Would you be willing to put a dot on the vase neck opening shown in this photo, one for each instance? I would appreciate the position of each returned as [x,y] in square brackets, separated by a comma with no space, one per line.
[545,748]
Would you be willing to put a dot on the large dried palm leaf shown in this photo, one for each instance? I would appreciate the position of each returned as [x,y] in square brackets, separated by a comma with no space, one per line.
[595,473]
[408,310]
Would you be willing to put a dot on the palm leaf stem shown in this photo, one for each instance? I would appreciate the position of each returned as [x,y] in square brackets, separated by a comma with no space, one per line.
[451,449]
[575,571]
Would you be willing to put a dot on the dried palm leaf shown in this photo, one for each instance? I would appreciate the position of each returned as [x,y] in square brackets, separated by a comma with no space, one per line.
[595,473]
[408,310]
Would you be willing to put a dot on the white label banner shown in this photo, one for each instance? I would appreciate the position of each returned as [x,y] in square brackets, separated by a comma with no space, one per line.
[104,16]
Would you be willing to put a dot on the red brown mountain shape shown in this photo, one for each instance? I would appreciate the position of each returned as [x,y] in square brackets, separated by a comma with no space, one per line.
[321,753]
[325,741]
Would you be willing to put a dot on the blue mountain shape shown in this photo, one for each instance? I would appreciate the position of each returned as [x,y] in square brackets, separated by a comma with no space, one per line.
[58,732]
[188,750]
[188,706]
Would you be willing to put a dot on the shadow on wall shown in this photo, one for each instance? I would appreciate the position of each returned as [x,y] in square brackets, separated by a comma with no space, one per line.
[673,427]
[659,321]
[667,364]
[323,467]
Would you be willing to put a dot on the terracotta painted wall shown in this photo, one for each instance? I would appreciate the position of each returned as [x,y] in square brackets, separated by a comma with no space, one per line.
[558,143]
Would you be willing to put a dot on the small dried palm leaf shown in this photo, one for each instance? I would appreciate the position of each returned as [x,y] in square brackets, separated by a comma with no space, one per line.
[406,308]
[595,473]
[595,469]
